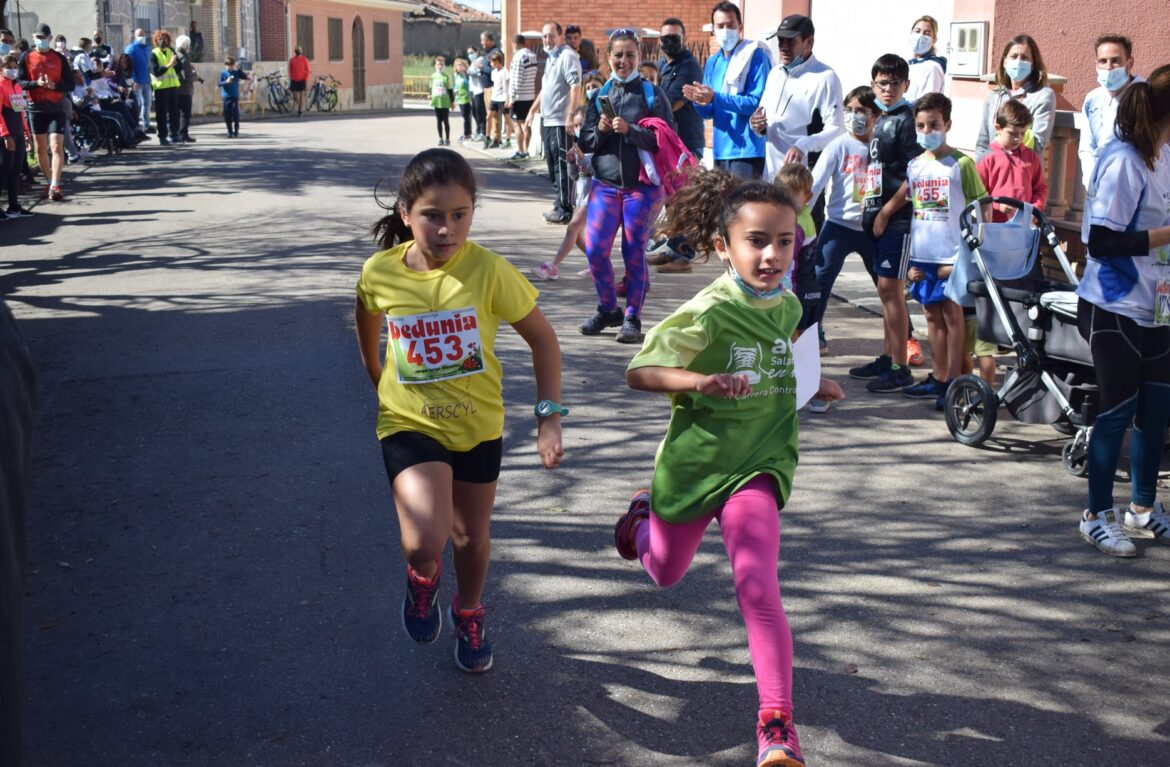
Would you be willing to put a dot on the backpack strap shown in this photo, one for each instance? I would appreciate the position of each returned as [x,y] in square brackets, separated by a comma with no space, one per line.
[647,93]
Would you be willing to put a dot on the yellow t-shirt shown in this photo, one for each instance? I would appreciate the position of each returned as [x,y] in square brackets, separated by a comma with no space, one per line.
[441,375]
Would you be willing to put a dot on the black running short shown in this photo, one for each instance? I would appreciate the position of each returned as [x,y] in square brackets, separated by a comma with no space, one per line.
[296,86]
[48,122]
[520,109]
[479,465]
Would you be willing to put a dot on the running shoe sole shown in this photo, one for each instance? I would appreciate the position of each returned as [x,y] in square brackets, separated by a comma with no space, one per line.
[778,758]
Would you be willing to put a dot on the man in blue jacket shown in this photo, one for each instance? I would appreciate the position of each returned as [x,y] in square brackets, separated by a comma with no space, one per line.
[139,53]
[733,83]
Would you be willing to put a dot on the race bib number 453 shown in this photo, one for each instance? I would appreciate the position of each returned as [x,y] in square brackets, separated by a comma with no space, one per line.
[436,346]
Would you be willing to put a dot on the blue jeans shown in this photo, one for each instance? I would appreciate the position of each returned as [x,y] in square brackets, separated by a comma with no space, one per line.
[231,115]
[145,103]
[834,245]
[745,167]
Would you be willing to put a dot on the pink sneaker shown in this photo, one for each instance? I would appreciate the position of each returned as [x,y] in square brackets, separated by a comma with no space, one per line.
[627,524]
[779,745]
[546,271]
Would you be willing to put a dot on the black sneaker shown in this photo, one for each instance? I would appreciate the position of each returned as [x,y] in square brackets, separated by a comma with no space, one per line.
[871,370]
[631,332]
[473,653]
[18,212]
[420,614]
[602,320]
[895,379]
[557,217]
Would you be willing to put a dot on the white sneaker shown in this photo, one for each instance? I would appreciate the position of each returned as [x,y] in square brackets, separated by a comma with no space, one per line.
[546,271]
[85,154]
[1153,524]
[1106,534]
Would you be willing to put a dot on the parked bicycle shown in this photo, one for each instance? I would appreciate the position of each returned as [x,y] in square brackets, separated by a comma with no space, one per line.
[323,94]
[279,96]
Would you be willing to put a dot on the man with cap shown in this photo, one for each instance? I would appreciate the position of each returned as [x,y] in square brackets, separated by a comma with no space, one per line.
[733,82]
[47,78]
[801,110]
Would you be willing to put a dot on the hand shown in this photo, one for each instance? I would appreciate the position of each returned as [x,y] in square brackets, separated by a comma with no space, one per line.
[605,124]
[794,155]
[759,121]
[9,144]
[914,274]
[528,119]
[725,385]
[699,93]
[574,154]
[507,105]
[548,442]
[880,223]
[830,390]
[621,126]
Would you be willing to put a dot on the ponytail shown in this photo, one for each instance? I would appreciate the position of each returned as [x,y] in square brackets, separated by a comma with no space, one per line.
[1141,111]
[433,167]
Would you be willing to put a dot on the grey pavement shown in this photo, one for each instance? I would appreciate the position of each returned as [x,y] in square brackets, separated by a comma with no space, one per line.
[215,570]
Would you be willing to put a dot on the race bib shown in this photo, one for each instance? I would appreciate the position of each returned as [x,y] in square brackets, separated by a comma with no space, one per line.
[873,180]
[438,91]
[854,169]
[19,103]
[931,198]
[436,347]
[1162,303]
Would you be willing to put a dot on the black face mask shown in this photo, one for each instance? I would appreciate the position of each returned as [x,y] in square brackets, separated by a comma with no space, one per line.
[671,44]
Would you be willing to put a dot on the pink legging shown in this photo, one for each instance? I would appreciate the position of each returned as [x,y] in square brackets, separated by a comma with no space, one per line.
[750,523]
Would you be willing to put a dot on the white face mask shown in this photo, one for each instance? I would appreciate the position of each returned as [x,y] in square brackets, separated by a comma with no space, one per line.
[11,74]
[919,43]
[727,38]
[855,123]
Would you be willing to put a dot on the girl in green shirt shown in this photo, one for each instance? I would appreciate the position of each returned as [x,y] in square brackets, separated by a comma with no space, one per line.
[463,96]
[441,97]
[725,359]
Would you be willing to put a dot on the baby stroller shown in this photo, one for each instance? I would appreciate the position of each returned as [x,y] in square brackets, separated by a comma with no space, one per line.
[1052,380]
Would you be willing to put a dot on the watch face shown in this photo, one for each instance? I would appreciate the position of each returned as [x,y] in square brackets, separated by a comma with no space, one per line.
[544,407]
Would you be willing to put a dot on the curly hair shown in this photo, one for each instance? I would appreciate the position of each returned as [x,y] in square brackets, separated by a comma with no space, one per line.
[709,203]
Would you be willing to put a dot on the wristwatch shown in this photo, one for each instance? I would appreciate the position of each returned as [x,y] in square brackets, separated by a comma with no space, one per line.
[547,407]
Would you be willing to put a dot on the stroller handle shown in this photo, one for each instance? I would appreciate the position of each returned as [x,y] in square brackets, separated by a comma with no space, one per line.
[970,215]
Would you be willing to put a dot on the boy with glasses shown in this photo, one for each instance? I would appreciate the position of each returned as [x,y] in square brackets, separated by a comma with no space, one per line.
[886,219]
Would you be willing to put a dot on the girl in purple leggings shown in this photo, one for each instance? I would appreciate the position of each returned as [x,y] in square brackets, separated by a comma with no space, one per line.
[725,359]
[617,198]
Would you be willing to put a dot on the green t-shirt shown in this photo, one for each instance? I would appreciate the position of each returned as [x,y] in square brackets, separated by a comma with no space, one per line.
[805,220]
[462,89]
[440,97]
[713,445]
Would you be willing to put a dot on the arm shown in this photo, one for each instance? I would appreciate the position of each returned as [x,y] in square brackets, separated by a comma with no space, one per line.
[829,101]
[672,380]
[546,364]
[574,100]
[1108,243]
[1043,119]
[984,139]
[745,103]
[369,334]
[892,206]
[827,166]
[592,136]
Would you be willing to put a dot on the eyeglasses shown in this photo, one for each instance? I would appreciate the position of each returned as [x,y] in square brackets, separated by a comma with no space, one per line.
[887,85]
[624,32]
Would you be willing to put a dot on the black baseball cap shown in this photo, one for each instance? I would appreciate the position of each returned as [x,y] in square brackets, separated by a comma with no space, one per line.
[794,26]
[572,28]
[44,31]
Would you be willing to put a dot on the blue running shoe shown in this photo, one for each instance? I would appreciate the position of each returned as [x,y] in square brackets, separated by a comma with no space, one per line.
[420,615]
[473,653]
[931,388]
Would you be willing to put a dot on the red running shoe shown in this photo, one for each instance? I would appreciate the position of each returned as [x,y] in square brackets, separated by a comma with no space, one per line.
[779,745]
[914,352]
[623,531]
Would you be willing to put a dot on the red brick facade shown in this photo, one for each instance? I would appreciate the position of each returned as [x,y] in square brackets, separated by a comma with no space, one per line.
[274,45]
[596,17]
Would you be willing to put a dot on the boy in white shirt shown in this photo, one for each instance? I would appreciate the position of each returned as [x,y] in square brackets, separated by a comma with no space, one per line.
[939,184]
[496,111]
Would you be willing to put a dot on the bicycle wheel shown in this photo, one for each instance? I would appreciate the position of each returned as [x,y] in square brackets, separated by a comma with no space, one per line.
[87,134]
[275,102]
[328,100]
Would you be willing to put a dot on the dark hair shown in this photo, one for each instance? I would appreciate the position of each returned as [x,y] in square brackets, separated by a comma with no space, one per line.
[1121,40]
[83,42]
[1141,110]
[489,35]
[556,26]
[710,201]
[572,29]
[496,56]
[890,64]
[432,167]
[1039,71]
[865,95]
[674,22]
[934,102]
[7,32]
[726,7]
[1013,113]
[519,40]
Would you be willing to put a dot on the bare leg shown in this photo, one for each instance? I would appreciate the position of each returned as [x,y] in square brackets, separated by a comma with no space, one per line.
[956,339]
[936,331]
[423,498]
[57,151]
[987,369]
[574,235]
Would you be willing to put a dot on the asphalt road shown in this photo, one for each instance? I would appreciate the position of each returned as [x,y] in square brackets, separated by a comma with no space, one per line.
[215,577]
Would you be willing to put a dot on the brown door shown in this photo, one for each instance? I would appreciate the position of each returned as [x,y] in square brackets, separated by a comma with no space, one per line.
[359,61]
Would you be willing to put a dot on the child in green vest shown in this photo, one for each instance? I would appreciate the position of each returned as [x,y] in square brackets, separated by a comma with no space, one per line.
[442,94]
[725,359]
[463,96]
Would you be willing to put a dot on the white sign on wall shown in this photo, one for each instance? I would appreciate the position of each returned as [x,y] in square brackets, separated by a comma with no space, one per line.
[968,49]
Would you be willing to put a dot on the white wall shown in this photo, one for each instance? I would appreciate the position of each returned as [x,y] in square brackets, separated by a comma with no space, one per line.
[851,34]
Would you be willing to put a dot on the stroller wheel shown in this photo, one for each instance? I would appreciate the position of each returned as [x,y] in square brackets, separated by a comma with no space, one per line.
[1065,427]
[1075,456]
[971,408]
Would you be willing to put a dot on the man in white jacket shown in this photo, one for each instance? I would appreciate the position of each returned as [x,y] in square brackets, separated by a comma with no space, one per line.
[801,109]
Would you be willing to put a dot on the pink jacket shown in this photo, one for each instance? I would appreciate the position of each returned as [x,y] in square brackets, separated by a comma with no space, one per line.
[1017,174]
[670,159]
[8,89]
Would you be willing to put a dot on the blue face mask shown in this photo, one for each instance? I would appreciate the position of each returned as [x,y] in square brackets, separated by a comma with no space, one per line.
[931,141]
[748,290]
[796,62]
[42,44]
[1112,79]
[920,43]
[1017,69]
[891,107]
[632,76]
[727,39]
[5,49]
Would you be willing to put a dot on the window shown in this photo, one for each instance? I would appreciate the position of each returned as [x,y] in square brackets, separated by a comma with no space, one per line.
[381,41]
[336,52]
[305,35]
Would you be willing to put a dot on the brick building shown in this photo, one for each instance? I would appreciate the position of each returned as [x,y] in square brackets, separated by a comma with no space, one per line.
[357,41]
[117,19]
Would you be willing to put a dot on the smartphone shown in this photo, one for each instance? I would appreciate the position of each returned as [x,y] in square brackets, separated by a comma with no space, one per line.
[606,106]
